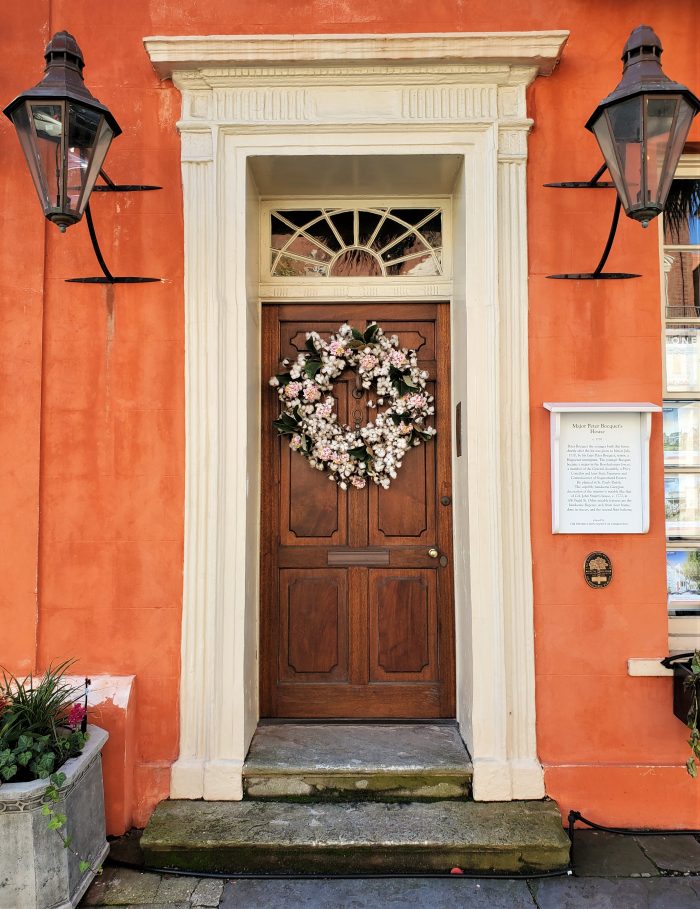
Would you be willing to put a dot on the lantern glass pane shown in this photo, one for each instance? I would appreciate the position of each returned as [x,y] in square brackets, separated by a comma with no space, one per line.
[674,148]
[47,120]
[659,120]
[603,132]
[626,125]
[83,124]
[25,133]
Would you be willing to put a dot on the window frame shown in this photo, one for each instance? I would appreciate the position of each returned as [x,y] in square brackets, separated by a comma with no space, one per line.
[684,629]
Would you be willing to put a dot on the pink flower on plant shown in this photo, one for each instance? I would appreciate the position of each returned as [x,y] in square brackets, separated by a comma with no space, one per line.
[76,716]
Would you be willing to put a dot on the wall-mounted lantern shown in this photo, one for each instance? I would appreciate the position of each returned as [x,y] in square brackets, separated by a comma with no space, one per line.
[65,134]
[64,131]
[641,128]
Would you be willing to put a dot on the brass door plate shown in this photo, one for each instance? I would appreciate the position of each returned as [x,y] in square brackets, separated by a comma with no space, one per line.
[597,570]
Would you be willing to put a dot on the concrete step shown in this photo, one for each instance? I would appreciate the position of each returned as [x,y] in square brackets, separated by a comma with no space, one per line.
[356,837]
[357,761]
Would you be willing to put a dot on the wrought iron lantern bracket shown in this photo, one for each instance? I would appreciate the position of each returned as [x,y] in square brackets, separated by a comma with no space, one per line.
[598,274]
[107,277]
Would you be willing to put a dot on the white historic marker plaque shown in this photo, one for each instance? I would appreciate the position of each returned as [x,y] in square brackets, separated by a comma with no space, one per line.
[600,467]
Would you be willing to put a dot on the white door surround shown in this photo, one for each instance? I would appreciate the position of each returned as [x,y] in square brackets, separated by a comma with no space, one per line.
[437,97]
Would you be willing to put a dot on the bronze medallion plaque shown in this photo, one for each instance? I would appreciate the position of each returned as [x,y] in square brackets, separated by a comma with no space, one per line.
[597,569]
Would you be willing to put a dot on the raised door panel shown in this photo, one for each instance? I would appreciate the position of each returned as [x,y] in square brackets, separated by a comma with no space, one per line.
[313,640]
[405,513]
[403,626]
[313,510]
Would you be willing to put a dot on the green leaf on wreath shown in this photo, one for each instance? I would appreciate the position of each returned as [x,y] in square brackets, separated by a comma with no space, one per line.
[360,454]
[310,345]
[357,335]
[283,378]
[286,425]
[371,333]
[312,367]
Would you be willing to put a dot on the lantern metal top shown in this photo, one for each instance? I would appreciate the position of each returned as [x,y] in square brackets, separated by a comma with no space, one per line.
[63,80]
[642,73]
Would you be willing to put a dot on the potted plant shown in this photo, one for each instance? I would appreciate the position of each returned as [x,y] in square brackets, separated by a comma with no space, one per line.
[52,826]
[686,699]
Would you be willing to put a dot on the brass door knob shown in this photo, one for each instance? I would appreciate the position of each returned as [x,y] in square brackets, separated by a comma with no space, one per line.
[433,553]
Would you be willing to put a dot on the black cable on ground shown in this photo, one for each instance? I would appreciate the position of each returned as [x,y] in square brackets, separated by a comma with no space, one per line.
[289,876]
[623,831]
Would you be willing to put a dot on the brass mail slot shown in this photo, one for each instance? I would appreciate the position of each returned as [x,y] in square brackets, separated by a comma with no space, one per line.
[338,558]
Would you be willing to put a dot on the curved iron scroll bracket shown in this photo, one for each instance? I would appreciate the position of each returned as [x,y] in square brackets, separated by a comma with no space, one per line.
[598,274]
[107,277]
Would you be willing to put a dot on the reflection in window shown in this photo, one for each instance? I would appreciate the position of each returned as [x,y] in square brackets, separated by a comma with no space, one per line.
[356,242]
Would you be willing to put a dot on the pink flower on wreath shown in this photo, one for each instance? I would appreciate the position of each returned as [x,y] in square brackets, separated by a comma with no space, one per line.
[295,442]
[324,410]
[368,361]
[76,716]
[325,453]
[336,348]
[416,402]
[312,393]
[397,358]
[358,482]
[292,390]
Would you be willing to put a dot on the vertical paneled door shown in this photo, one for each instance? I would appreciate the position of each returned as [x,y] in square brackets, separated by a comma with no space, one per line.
[357,616]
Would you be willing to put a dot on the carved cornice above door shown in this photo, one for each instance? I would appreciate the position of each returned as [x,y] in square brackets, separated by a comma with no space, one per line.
[369,79]
[325,53]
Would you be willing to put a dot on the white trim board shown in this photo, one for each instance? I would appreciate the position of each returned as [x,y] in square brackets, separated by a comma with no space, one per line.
[429,95]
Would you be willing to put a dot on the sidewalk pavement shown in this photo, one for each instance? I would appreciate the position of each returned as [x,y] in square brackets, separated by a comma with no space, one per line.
[610,871]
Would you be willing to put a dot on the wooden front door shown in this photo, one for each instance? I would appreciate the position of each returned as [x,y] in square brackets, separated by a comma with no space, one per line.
[357,618]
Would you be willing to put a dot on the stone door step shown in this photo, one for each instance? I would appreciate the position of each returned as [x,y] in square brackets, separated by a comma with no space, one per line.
[357,761]
[356,837]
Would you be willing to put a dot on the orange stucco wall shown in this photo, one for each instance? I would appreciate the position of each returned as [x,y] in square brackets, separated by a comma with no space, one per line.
[92,394]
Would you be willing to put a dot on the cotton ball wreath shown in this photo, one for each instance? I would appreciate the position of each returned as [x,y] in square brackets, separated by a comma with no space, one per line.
[374,451]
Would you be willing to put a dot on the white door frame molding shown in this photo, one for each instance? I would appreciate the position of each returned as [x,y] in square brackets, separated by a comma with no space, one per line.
[457,94]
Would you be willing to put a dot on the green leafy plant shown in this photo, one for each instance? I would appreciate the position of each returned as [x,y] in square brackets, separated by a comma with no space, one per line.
[692,683]
[57,821]
[40,724]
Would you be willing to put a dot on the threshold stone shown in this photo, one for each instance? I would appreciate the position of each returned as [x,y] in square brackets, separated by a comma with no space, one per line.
[376,761]
[359,837]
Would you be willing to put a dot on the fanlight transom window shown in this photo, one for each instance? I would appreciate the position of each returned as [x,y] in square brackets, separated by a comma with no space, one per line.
[368,242]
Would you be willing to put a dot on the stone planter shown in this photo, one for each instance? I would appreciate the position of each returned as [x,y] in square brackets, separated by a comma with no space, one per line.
[36,871]
[682,694]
